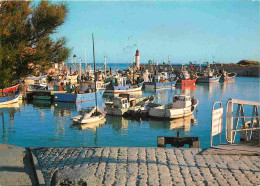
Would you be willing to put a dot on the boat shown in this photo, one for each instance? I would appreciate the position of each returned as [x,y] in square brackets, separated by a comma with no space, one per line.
[161,81]
[10,89]
[227,76]
[181,106]
[9,98]
[185,78]
[75,97]
[120,105]
[122,88]
[95,116]
[92,126]
[36,83]
[142,111]
[208,76]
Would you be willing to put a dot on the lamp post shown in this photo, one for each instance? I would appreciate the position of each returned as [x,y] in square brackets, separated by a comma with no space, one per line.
[74,61]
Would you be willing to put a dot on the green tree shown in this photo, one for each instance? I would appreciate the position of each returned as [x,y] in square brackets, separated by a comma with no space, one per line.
[25,42]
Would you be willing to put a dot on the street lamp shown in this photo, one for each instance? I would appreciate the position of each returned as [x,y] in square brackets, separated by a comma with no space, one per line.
[74,61]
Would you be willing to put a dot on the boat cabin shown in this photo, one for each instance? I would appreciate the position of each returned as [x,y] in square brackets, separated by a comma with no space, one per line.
[181,101]
[120,102]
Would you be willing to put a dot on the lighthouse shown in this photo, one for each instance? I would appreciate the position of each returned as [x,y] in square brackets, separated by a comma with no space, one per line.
[137,59]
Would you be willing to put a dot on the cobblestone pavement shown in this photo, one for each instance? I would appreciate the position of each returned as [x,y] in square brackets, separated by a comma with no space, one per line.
[150,166]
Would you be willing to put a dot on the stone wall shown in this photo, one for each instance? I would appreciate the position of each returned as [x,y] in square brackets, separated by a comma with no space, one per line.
[247,71]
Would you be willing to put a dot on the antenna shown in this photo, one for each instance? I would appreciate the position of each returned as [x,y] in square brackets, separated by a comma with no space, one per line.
[95,79]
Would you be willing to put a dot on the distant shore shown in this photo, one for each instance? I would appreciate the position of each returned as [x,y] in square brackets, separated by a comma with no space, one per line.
[243,68]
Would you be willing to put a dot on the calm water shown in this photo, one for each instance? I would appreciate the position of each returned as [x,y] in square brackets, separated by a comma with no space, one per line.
[45,124]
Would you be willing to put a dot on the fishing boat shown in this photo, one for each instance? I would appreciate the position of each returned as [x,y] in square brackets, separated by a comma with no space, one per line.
[10,89]
[9,95]
[120,105]
[75,97]
[96,115]
[122,88]
[208,76]
[36,83]
[227,76]
[141,108]
[181,106]
[161,81]
[185,78]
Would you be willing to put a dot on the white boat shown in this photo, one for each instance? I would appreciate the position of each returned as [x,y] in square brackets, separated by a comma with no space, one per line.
[120,105]
[181,106]
[92,126]
[96,115]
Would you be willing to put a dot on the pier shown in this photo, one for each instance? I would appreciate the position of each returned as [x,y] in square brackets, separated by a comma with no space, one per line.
[139,166]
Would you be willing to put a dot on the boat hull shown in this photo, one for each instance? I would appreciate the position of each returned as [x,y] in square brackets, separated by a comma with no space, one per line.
[208,80]
[171,113]
[229,78]
[75,98]
[10,89]
[186,82]
[122,89]
[9,100]
[160,85]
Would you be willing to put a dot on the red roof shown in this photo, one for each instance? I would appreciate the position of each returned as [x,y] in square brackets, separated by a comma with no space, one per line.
[137,53]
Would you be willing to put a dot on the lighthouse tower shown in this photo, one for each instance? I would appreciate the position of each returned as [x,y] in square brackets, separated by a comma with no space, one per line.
[137,59]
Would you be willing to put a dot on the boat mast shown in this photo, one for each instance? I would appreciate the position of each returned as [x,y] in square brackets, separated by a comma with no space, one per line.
[86,65]
[95,78]
[105,65]
[134,70]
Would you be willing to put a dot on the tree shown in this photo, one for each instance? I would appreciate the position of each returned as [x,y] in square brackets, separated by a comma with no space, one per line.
[25,42]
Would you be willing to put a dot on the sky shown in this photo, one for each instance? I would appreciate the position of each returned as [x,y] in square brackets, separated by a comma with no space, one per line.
[225,31]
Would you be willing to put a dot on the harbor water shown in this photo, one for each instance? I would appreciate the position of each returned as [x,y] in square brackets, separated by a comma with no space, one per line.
[42,123]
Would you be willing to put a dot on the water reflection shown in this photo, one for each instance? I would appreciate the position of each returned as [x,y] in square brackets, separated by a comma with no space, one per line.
[181,124]
[188,90]
[7,113]
[118,123]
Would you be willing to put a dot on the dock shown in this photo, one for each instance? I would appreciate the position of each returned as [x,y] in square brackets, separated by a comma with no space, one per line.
[144,166]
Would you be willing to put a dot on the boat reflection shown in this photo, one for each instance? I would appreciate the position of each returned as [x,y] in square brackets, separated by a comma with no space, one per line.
[118,123]
[182,124]
[188,90]
[12,105]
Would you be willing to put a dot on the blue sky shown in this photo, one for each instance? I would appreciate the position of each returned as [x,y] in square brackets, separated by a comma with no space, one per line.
[227,31]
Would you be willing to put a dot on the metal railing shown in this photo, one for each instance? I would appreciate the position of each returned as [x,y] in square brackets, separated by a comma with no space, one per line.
[232,121]
[232,127]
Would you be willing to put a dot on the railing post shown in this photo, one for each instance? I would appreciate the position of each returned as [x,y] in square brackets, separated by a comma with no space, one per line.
[229,121]
[216,122]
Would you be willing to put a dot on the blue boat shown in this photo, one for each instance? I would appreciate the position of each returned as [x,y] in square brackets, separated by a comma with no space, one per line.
[75,98]
[9,99]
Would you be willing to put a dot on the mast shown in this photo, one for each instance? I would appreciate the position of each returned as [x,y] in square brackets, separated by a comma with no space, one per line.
[86,65]
[134,70]
[105,65]
[95,78]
